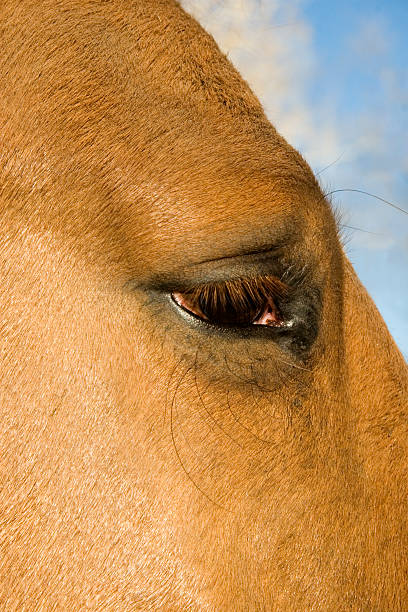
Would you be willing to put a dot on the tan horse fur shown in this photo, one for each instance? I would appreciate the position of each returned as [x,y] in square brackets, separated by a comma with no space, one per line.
[146,463]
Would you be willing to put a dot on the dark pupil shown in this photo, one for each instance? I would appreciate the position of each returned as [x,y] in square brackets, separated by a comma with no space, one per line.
[227,309]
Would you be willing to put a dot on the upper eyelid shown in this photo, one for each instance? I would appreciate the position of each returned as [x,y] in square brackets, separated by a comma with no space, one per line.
[250,266]
[280,287]
[266,251]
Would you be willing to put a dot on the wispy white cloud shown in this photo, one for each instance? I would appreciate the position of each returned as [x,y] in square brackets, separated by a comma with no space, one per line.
[272,45]
[371,42]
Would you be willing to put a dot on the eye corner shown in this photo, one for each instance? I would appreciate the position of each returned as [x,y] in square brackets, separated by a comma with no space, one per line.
[181,300]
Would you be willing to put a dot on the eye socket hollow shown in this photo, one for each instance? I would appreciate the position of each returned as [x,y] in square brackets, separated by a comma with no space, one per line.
[237,302]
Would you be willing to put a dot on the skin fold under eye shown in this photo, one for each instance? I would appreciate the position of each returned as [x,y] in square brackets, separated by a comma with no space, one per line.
[238,302]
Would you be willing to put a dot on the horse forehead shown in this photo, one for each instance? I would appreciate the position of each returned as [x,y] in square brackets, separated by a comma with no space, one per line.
[75,51]
[142,87]
[161,136]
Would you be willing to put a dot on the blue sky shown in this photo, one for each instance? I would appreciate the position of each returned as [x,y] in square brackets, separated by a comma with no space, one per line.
[363,62]
[333,78]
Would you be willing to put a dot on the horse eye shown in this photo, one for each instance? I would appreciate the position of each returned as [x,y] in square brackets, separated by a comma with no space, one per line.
[234,303]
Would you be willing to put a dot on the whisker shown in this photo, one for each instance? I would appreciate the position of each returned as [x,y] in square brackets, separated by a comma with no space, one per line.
[212,417]
[372,195]
[181,429]
[178,454]
[244,426]
[359,229]
[168,389]
[329,165]
[293,365]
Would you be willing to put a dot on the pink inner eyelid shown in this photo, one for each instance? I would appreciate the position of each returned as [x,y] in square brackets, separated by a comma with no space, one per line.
[269,315]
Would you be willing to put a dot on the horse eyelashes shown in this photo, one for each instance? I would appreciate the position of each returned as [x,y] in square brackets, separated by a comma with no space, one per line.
[237,302]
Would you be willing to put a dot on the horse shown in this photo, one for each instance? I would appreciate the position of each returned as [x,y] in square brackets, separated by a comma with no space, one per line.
[201,407]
